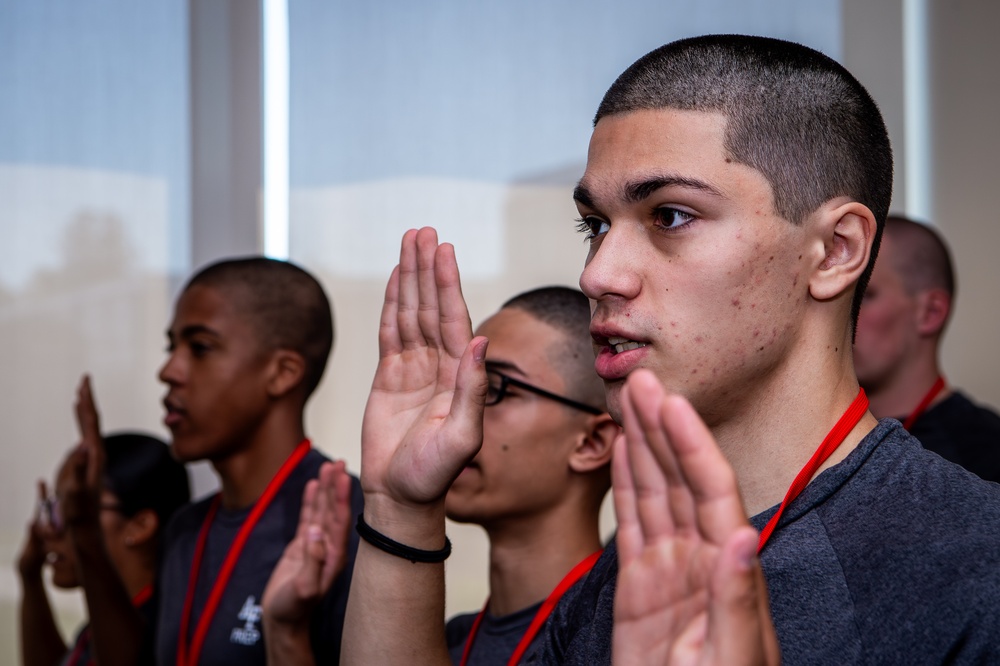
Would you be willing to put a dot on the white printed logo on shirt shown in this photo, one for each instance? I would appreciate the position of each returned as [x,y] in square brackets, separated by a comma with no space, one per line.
[248,634]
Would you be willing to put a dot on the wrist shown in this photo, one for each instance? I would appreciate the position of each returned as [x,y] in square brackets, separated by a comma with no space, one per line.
[416,525]
[287,642]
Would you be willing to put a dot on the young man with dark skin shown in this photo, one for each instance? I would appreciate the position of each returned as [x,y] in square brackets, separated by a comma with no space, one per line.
[734,196]
[897,350]
[537,483]
[248,345]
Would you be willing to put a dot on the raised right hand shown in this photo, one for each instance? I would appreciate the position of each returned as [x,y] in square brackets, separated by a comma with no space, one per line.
[424,418]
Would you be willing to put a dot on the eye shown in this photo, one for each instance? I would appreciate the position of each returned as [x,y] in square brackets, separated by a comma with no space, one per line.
[199,349]
[592,227]
[671,218]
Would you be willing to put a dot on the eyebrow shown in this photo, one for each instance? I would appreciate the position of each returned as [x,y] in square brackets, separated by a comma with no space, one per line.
[639,190]
[192,330]
[504,365]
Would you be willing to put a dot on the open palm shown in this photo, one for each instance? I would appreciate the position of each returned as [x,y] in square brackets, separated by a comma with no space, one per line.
[423,420]
[690,590]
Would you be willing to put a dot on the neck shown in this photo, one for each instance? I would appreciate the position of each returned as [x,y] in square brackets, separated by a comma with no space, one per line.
[137,572]
[529,557]
[245,473]
[774,436]
[901,393]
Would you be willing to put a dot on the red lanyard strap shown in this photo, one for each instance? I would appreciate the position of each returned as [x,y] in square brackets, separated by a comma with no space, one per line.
[544,611]
[833,440]
[924,403]
[187,655]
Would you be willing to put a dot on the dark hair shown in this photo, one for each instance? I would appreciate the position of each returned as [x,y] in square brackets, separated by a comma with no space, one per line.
[285,304]
[922,260]
[568,311]
[142,474]
[794,114]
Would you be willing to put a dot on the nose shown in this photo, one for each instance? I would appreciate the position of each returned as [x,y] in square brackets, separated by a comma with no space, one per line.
[171,373]
[613,268]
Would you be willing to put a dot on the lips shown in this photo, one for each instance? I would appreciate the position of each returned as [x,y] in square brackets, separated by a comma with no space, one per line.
[175,413]
[618,353]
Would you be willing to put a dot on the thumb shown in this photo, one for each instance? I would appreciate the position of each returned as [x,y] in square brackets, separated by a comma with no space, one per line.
[740,630]
[471,385]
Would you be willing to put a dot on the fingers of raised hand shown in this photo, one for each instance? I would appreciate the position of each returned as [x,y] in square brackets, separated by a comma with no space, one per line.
[704,471]
[389,339]
[648,477]
[88,423]
[428,303]
[629,536]
[455,324]
[417,301]
[740,630]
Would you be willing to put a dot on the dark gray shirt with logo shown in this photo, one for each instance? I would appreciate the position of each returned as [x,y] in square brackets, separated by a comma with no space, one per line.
[235,634]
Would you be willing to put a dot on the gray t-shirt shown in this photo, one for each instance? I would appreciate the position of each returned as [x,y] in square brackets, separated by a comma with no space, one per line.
[495,640]
[891,556]
[235,634]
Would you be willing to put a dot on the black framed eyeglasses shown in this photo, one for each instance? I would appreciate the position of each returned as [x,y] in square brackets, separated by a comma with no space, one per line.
[498,390]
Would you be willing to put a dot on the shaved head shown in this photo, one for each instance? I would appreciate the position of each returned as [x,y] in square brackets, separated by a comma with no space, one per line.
[286,306]
[568,311]
[922,259]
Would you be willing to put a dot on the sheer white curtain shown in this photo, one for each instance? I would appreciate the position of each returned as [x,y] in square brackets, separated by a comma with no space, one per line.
[93,222]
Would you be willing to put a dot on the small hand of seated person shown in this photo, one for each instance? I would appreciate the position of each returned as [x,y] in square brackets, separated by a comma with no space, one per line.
[308,567]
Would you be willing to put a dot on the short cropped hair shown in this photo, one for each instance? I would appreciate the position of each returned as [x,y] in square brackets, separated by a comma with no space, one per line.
[140,471]
[922,260]
[795,115]
[286,306]
[568,311]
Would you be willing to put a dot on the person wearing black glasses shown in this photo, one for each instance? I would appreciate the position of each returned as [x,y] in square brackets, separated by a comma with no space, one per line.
[537,484]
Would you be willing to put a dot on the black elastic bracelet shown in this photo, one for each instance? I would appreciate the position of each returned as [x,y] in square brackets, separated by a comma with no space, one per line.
[384,543]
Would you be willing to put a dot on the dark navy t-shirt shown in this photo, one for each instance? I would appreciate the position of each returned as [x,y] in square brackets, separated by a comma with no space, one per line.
[235,634]
[963,432]
[891,556]
[495,640]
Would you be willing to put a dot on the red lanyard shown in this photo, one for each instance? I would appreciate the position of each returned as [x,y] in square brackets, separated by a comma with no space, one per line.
[833,440]
[575,574]
[141,597]
[924,403]
[188,655]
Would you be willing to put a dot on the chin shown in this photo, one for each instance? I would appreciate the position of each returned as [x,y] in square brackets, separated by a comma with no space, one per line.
[187,449]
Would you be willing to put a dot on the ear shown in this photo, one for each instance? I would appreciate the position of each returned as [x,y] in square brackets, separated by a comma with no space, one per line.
[287,371]
[933,308]
[846,232]
[594,450]
[141,528]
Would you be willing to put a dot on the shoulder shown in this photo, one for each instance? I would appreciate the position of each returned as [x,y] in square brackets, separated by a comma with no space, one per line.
[579,629]
[458,628]
[189,518]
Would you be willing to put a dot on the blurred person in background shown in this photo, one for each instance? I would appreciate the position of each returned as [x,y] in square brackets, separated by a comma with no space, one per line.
[111,502]
[905,311]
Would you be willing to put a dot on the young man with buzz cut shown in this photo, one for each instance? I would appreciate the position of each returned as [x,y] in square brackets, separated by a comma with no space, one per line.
[537,484]
[906,309]
[734,196]
[248,345]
